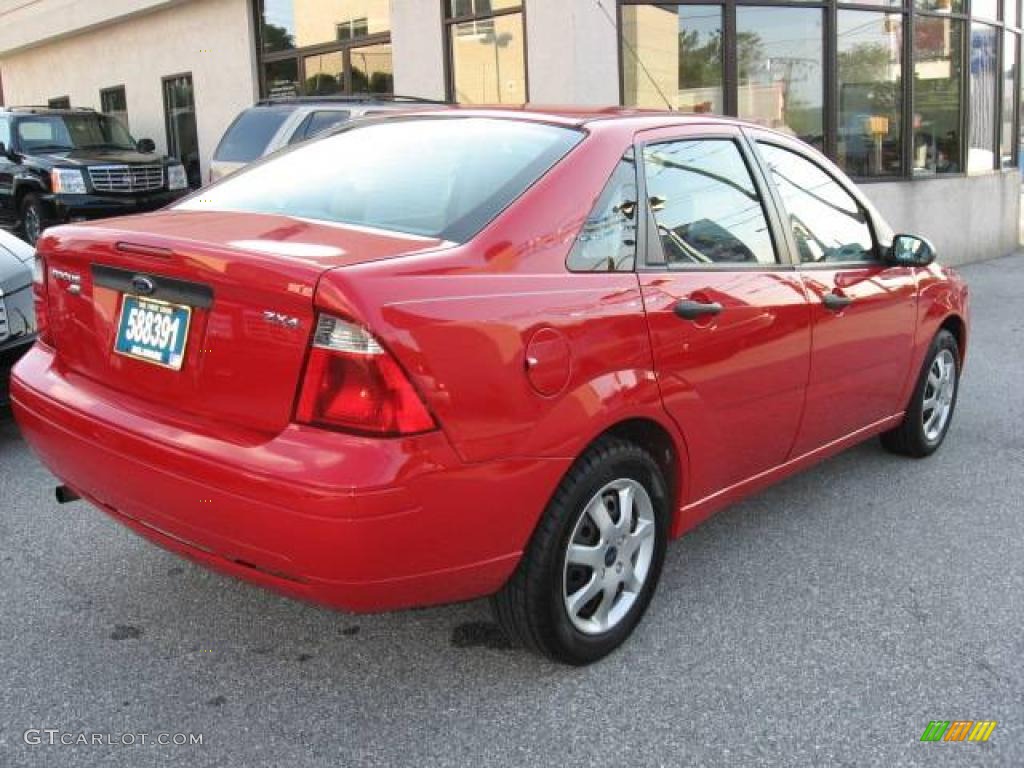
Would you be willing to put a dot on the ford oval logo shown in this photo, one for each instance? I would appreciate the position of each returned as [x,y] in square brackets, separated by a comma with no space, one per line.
[143,285]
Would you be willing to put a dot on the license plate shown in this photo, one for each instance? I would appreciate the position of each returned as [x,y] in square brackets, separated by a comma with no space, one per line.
[154,331]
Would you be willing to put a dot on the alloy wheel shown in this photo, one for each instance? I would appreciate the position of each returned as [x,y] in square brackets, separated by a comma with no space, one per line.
[609,556]
[939,391]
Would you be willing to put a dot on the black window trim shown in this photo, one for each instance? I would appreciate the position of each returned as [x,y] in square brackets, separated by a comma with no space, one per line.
[647,235]
[641,226]
[757,136]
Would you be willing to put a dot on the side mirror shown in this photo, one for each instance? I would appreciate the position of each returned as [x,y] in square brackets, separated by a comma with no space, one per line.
[146,145]
[911,251]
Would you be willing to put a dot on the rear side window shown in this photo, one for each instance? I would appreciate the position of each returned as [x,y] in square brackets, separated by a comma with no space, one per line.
[607,242]
[435,177]
[706,205]
[249,135]
[827,222]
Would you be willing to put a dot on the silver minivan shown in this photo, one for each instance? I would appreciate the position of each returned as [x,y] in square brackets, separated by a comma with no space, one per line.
[274,123]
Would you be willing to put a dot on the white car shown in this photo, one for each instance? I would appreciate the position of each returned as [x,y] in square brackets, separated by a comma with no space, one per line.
[17,311]
[275,123]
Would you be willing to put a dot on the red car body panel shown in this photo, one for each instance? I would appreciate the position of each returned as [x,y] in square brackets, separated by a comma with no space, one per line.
[522,363]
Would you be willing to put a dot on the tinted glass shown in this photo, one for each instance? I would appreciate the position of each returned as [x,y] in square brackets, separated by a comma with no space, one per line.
[248,136]
[870,50]
[672,56]
[607,242]
[488,60]
[321,121]
[437,177]
[705,204]
[942,6]
[1007,144]
[87,130]
[982,108]
[938,68]
[281,78]
[291,24]
[474,7]
[371,69]
[828,225]
[325,74]
[779,59]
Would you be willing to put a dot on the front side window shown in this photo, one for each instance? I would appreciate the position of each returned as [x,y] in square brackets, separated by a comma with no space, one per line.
[486,43]
[444,178]
[705,204]
[828,224]
[607,242]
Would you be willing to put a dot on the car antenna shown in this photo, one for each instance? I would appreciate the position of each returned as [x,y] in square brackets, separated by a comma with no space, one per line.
[632,51]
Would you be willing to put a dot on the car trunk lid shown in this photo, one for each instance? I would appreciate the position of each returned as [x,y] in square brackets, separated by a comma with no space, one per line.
[248,280]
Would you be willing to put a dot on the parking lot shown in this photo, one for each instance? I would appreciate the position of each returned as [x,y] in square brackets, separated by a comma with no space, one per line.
[823,622]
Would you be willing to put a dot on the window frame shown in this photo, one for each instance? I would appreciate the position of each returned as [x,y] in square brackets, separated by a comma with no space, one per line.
[909,14]
[756,137]
[641,221]
[649,243]
[447,22]
[299,55]
[104,92]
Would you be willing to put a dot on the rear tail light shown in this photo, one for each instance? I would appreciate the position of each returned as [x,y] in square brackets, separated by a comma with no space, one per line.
[41,300]
[352,383]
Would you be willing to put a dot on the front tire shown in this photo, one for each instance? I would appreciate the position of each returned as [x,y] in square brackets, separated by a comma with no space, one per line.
[32,217]
[930,412]
[593,563]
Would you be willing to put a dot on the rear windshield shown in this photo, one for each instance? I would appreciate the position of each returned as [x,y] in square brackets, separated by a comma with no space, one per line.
[248,136]
[435,177]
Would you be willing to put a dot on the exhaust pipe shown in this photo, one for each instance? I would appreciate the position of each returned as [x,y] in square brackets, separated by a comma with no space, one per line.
[65,494]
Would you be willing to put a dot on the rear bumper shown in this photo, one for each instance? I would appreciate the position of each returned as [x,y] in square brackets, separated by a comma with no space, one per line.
[351,522]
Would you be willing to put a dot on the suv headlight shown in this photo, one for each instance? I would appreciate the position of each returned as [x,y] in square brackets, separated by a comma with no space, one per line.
[176,178]
[68,181]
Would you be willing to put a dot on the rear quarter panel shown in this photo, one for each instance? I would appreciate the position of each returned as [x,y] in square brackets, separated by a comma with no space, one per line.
[460,322]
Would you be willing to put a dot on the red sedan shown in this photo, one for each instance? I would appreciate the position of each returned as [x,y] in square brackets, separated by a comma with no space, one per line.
[510,353]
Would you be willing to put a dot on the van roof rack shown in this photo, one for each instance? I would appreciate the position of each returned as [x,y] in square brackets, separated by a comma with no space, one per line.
[344,98]
[37,108]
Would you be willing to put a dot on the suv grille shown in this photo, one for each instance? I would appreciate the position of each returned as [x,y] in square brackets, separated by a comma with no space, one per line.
[127,178]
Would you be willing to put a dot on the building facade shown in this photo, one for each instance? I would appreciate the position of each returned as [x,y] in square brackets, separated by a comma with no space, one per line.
[919,100]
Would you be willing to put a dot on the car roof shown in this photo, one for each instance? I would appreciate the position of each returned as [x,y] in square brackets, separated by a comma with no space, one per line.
[40,110]
[577,116]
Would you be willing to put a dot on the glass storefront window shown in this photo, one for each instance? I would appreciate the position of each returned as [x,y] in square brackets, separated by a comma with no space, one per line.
[288,24]
[941,6]
[988,9]
[779,62]
[982,108]
[457,8]
[488,60]
[325,74]
[672,56]
[870,69]
[371,69]
[1006,132]
[938,68]
[281,78]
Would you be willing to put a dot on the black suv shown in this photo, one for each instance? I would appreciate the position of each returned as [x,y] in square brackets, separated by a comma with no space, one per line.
[59,165]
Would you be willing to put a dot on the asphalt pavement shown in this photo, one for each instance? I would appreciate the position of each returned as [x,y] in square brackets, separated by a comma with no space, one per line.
[823,622]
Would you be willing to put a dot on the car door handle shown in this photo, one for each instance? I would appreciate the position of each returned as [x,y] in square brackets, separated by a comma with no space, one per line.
[836,302]
[693,310]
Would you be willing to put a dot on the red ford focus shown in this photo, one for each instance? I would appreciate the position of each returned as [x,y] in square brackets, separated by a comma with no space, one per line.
[509,353]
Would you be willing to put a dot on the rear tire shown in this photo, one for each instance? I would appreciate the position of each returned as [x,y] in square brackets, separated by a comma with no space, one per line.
[931,407]
[593,563]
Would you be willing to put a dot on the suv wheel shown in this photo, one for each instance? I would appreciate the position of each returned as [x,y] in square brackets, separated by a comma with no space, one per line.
[592,566]
[31,218]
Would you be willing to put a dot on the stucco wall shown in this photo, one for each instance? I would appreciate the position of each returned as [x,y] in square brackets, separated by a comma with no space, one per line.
[418,48]
[212,39]
[966,218]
